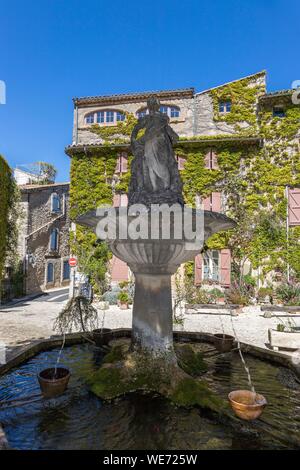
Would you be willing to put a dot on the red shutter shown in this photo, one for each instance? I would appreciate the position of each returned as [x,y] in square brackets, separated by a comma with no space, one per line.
[118,164]
[225,270]
[181,162]
[119,270]
[116,200]
[198,270]
[207,203]
[216,202]
[207,160]
[294,206]
[123,164]
[214,161]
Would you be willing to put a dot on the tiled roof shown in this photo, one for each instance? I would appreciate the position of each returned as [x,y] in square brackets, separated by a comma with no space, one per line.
[134,97]
[276,94]
[28,187]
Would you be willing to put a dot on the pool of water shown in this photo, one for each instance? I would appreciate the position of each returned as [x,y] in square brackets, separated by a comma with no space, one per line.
[79,420]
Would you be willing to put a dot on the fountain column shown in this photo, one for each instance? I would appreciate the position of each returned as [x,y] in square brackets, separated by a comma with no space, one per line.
[152,313]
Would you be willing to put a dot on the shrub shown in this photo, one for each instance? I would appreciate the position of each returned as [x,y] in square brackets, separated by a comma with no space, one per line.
[289,293]
[123,297]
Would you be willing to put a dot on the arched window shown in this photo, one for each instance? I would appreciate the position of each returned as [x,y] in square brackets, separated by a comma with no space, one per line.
[50,272]
[107,116]
[55,203]
[54,240]
[171,111]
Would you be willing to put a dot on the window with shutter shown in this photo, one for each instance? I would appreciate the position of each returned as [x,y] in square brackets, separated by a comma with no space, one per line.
[294,206]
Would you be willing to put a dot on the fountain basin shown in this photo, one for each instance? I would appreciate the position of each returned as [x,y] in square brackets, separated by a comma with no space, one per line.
[246,404]
[54,382]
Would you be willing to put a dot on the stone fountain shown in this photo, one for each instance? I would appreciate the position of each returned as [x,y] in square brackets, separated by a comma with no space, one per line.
[156,233]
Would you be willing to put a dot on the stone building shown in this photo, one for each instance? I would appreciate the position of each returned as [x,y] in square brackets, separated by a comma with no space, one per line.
[212,120]
[44,236]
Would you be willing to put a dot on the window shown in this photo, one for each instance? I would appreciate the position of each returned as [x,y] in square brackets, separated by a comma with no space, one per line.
[50,273]
[101,117]
[211,265]
[89,119]
[55,203]
[174,112]
[278,111]
[120,116]
[66,271]
[224,106]
[109,116]
[54,240]
[171,111]
[142,113]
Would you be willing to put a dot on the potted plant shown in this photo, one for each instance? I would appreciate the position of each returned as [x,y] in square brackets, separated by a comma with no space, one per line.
[123,299]
[265,295]
[217,296]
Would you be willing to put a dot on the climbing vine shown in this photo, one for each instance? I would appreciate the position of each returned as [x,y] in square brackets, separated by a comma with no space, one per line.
[243,95]
[8,214]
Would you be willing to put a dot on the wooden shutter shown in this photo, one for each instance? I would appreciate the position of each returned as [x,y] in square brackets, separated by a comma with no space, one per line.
[198,270]
[207,203]
[207,160]
[225,267]
[123,163]
[116,200]
[181,162]
[294,206]
[214,161]
[216,202]
[118,164]
[119,270]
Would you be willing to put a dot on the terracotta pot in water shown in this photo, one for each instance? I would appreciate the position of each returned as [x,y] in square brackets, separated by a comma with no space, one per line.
[247,405]
[102,336]
[54,382]
[223,343]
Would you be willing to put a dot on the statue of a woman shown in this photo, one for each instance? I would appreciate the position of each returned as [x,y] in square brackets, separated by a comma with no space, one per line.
[154,173]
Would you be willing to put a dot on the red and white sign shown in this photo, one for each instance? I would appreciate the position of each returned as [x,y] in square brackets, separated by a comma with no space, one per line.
[73,262]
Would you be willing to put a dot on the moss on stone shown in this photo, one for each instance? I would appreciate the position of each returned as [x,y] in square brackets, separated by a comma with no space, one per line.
[192,392]
[117,353]
[190,361]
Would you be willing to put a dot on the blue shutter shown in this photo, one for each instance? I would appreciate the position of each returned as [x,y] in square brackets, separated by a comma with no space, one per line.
[50,272]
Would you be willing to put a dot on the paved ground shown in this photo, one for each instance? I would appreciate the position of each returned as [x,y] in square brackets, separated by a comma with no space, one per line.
[33,319]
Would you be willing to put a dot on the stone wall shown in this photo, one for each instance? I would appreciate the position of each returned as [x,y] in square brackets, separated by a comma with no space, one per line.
[34,240]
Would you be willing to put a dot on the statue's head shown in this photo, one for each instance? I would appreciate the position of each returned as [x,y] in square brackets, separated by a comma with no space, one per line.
[153,104]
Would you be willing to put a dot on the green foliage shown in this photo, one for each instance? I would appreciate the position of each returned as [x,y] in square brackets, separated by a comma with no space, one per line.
[9,211]
[91,187]
[191,392]
[115,133]
[289,293]
[243,95]
[190,361]
[123,297]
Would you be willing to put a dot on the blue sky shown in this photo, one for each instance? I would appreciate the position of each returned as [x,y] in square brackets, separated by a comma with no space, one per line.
[53,50]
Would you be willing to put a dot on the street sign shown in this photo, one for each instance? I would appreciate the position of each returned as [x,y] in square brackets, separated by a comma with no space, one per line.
[73,262]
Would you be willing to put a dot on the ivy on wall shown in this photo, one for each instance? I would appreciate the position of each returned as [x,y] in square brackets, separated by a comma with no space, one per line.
[8,214]
[243,95]
[91,187]
[251,177]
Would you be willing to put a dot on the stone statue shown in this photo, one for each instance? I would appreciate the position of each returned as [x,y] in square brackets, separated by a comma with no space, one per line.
[154,172]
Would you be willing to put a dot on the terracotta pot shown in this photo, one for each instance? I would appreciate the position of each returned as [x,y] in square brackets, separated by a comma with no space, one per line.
[123,305]
[223,343]
[102,336]
[247,405]
[54,384]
